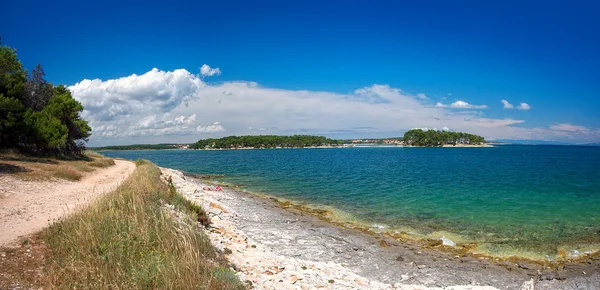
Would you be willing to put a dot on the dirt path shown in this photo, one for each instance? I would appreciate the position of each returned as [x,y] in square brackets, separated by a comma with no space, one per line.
[27,207]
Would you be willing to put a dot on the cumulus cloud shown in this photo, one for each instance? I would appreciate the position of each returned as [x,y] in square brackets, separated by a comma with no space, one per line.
[507,105]
[460,105]
[423,96]
[524,107]
[177,106]
[153,91]
[186,120]
[214,128]
[205,70]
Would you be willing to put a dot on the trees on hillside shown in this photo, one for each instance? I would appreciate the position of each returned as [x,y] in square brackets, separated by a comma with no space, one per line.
[35,116]
[419,137]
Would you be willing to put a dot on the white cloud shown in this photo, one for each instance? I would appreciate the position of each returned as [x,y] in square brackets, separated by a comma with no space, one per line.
[465,105]
[162,106]
[521,106]
[205,70]
[214,128]
[570,128]
[422,96]
[460,105]
[186,120]
[524,107]
[507,105]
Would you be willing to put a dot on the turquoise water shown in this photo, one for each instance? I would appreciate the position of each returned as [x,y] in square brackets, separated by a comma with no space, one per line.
[527,201]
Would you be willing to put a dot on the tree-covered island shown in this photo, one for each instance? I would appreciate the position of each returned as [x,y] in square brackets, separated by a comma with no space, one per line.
[414,137]
[433,138]
[265,141]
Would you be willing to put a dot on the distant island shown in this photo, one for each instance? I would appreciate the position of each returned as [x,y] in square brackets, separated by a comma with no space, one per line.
[412,138]
[433,138]
[266,141]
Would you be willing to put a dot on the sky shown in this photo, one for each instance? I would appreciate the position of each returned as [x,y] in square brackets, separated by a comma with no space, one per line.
[179,71]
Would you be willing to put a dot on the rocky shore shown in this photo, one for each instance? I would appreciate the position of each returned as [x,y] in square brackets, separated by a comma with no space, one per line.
[275,248]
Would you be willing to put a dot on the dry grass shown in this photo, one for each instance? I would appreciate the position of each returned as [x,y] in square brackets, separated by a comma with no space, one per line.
[23,267]
[43,168]
[68,172]
[130,240]
[102,162]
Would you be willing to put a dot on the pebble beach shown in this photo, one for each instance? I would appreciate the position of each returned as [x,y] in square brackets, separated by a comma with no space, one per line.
[274,248]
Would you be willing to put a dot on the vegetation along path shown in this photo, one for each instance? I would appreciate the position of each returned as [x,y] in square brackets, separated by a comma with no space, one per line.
[27,207]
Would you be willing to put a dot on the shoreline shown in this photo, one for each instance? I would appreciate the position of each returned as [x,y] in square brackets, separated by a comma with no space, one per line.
[448,241]
[345,146]
[302,249]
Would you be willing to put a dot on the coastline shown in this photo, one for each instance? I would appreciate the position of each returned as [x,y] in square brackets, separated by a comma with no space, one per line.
[277,248]
[487,145]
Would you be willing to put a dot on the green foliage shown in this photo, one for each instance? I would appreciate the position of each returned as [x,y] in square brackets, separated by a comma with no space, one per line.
[12,75]
[265,141]
[37,90]
[11,116]
[418,137]
[47,130]
[35,116]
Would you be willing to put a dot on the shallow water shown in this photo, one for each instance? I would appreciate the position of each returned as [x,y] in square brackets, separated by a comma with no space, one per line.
[529,201]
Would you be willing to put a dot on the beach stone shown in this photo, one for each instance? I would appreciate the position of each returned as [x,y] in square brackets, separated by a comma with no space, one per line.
[361,282]
[528,285]
[263,237]
[550,276]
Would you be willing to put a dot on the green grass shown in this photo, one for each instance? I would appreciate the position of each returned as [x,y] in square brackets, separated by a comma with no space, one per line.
[129,240]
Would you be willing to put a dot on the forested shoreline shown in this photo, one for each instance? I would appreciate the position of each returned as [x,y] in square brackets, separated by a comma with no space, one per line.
[414,137]
[265,141]
[432,138]
[36,116]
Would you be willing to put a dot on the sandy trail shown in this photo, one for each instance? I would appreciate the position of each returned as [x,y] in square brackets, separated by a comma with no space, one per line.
[27,207]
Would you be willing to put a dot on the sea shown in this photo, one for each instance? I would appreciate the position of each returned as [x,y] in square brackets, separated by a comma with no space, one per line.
[534,202]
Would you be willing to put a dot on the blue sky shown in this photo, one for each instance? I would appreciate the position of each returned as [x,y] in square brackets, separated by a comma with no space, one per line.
[542,53]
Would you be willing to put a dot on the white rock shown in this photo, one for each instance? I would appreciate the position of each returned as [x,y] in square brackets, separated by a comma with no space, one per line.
[528,285]
[447,242]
